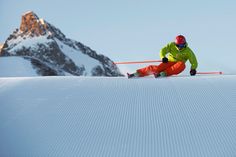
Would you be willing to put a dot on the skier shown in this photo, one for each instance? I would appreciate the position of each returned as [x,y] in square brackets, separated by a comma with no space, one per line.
[178,53]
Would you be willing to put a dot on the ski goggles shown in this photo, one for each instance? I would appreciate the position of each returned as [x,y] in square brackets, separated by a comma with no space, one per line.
[180,46]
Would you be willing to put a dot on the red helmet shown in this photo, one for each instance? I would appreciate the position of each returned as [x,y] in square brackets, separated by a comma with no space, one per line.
[180,39]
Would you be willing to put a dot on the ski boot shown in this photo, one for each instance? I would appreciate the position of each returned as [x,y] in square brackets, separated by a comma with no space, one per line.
[161,74]
[134,75]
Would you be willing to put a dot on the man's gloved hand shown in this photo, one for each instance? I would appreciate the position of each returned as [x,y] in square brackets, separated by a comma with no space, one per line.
[193,72]
[164,60]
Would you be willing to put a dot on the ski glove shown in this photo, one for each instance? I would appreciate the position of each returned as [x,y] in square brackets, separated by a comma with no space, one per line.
[193,72]
[164,60]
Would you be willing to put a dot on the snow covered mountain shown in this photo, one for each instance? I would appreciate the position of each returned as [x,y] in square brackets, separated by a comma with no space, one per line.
[118,117]
[51,53]
[17,66]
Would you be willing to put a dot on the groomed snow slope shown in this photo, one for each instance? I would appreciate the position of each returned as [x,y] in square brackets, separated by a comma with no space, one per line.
[118,117]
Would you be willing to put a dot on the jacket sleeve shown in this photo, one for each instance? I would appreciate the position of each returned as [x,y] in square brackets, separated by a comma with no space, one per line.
[164,51]
[193,60]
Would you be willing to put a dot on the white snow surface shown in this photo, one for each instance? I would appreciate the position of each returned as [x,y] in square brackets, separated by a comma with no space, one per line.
[16,67]
[118,117]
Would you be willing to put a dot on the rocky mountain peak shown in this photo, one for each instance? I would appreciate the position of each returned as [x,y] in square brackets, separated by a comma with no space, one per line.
[31,24]
[52,53]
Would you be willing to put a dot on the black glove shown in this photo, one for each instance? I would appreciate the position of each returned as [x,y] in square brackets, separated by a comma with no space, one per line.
[164,60]
[193,72]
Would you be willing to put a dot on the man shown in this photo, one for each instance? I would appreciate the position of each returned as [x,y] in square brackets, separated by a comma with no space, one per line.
[178,53]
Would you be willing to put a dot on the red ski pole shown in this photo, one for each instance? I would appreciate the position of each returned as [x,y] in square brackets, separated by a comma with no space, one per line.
[137,62]
[215,72]
[152,61]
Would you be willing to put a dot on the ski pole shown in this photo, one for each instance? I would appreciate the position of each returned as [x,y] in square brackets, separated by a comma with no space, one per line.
[136,62]
[215,72]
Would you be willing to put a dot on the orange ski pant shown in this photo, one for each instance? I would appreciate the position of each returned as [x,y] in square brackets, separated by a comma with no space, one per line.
[170,68]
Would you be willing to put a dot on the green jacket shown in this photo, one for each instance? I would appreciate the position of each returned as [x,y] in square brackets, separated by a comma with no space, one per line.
[174,54]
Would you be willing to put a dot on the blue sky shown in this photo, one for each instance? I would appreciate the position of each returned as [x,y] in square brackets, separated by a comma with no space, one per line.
[127,30]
